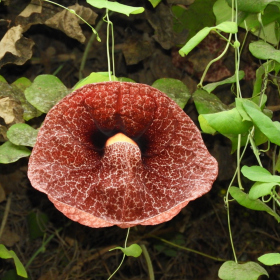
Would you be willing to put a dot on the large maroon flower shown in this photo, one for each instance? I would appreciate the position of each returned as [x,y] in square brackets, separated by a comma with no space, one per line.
[145,180]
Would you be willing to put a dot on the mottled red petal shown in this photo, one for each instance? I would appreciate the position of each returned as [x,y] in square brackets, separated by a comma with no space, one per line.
[119,184]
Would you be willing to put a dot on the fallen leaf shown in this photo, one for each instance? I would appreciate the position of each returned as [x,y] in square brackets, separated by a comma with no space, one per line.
[9,238]
[8,110]
[135,50]
[14,48]
[33,7]
[161,20]
[36,12]
[44,13]
[70,24]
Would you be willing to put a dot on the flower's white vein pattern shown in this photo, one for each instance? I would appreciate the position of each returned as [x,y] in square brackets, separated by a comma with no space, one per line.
[120,184]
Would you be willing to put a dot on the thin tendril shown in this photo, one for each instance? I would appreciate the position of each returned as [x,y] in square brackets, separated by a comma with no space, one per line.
[110,24]
[125,243]
[108,43]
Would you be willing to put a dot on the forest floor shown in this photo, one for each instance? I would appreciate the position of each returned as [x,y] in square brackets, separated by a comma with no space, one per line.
[78,252]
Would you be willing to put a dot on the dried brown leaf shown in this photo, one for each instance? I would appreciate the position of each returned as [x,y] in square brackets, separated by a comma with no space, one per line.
[10,110]
[33,7]
[162,21]
[70,23]
[135,50]
[9,238]
[14,48]
[36,12]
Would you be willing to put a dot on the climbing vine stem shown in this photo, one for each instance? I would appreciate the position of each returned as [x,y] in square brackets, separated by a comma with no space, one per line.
[125,244]
[214,60]
[110,57]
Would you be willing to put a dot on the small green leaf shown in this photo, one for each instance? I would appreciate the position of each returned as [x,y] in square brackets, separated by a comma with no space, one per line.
[270,259]
[16,92]
[251,6]
[204,125]
[194,41]
[154,2]
[259,174]
[116,7]
[45,92]
[22,134]
[265,51]
[29,111]
[260,189]
[264,68]
[125,79]
[265,29]
[223,12]
[95,77]
[265,124]
[231,270]
[220,122]
[230,80]
[134,250]
[228,27]
[175,89]
[22,83]
[9,254]
[11,153]
[2,79]
[259,137]
[207,103]
[240,109]
[244,200]
[37,224]
[189,19]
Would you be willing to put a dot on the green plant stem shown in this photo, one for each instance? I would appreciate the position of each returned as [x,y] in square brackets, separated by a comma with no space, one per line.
[239,157]
[244,39]
[227,201]
[238,162]
[59,68]
[148,261]
[125,243]
[42,248]
[108,44]
[254,147]
[214,60]
[110,24]
[187,249]
[237,62]
[113,50]
[273,173]
[230,234]
[87,49]
[6,213]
